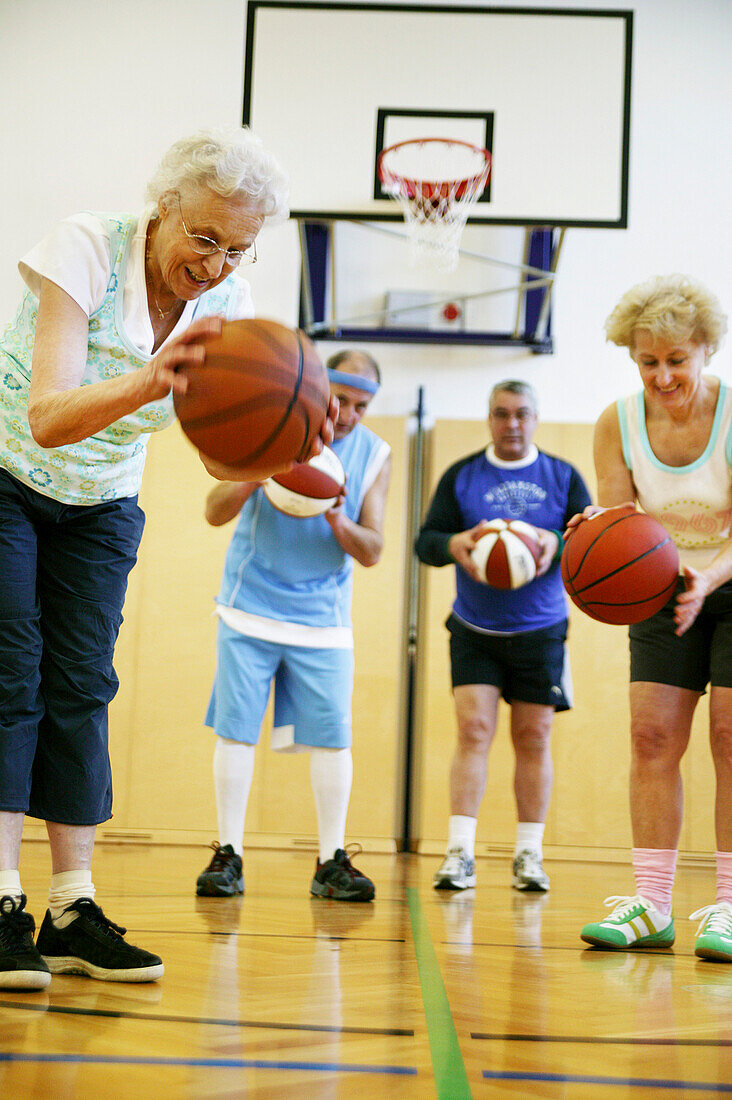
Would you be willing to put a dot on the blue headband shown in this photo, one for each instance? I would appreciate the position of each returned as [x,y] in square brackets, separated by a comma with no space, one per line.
[356,380]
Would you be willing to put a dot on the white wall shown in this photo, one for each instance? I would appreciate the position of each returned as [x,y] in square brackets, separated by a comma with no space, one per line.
[93,93]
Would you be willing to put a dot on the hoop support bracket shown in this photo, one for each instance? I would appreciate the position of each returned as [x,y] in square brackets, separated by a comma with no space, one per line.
[532,330]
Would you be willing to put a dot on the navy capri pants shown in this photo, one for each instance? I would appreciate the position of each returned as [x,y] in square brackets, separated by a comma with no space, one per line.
[63,578]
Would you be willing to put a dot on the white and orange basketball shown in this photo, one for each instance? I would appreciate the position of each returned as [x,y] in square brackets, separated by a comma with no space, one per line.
[308,489]
[507,554]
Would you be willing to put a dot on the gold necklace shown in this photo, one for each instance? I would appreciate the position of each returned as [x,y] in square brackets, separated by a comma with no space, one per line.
[163,315]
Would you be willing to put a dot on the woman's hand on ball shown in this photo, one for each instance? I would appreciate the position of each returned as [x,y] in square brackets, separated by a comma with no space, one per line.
[590,510]
[161,375]
[327,432]
[594,510]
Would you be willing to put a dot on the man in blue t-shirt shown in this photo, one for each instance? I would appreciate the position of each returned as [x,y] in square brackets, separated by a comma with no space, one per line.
[508,643]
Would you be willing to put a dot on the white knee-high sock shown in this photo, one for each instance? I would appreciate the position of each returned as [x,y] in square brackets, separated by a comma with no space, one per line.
[331,775]
[233,768]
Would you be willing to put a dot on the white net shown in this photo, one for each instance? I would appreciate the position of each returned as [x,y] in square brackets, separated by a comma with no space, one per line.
[436,182]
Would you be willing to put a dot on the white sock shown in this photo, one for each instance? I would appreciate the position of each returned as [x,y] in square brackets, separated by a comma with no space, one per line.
[10,885]
[529,834]
[233,768]
[461,833]
[331,775]
[66,888]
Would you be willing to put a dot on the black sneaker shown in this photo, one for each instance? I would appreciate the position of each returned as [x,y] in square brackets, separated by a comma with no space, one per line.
[21,966]
[337,878]
[92,944]
[224,875]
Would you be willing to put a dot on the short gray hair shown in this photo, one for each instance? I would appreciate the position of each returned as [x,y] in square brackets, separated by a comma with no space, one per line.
[229,161]
[514,385]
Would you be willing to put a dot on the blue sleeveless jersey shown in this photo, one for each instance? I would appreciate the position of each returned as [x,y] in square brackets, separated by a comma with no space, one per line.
[294,570]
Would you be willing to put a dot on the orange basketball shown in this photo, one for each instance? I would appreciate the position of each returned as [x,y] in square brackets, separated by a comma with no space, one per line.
[259,398]
[620,566]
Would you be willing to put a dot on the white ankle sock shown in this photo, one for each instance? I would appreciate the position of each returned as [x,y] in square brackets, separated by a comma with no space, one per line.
[66,888]
[461,833]
[331,775]
[530,834]
[233,768]
[10,884]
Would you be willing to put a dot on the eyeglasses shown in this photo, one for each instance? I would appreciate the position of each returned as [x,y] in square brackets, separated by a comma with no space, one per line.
[522,415]
[205,246]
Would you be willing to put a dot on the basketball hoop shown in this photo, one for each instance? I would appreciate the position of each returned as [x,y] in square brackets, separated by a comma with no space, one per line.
[437,182]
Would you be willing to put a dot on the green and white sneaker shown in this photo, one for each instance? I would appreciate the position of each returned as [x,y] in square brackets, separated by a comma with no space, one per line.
[634,922]
[714,934]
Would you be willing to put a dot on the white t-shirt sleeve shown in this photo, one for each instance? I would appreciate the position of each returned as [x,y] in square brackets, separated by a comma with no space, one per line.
[75,256]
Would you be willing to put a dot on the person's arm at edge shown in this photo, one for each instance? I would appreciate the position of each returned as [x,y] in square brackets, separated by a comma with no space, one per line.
[364,540]
[62,411]
[227,499]
[551,541]
[614,479]
[442,521]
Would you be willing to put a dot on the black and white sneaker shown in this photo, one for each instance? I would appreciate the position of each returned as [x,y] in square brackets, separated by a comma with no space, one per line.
[337,878]
[224,875]
[21,965]
[457,871]
[92,944]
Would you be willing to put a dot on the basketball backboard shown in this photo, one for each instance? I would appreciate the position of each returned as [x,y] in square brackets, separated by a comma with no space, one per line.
[329,85]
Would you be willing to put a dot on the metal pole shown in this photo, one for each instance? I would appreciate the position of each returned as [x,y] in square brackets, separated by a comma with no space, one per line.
[544,312]
[306,295]
[411,680]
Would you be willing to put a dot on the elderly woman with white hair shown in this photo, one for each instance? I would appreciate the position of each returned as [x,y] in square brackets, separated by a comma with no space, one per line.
[114,305]
[669,447]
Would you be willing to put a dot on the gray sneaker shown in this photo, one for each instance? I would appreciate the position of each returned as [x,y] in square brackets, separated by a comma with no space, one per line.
[457,871]
[528,873]
[224,875]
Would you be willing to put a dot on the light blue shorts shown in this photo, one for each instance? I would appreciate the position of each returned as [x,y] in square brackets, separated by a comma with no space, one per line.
[312,692]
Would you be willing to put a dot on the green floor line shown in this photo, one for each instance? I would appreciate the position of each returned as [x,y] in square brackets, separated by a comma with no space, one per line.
[451,1079]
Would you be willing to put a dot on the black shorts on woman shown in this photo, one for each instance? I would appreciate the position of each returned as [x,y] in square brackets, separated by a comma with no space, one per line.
[701,656]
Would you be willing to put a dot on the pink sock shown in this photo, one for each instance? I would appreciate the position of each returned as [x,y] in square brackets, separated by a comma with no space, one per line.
[724,876]
[654,870]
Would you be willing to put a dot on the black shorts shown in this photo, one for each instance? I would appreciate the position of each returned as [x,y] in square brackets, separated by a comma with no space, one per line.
[701,656]
[531,667]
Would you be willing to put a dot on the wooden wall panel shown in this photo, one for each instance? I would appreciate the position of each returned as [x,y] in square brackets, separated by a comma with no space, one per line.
[162,752]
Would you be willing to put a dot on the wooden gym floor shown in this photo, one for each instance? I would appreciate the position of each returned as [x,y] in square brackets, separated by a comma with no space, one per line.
[420,994]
